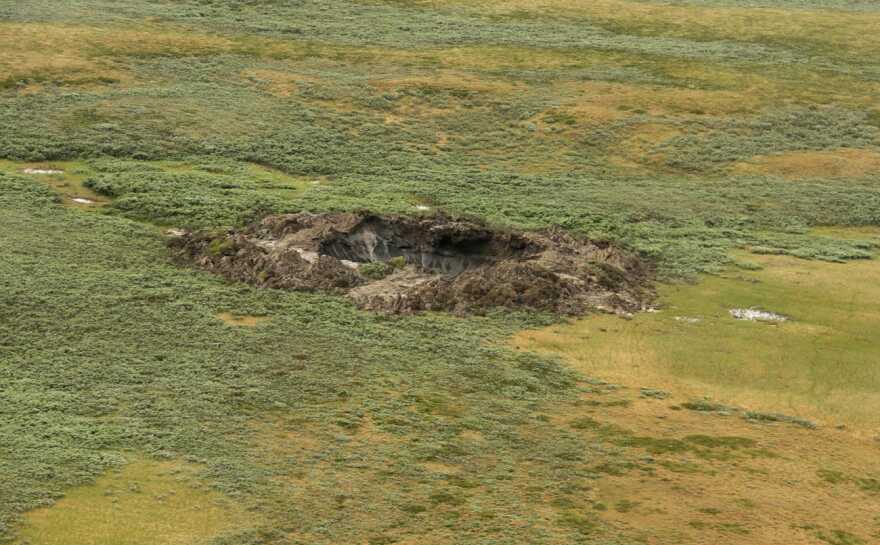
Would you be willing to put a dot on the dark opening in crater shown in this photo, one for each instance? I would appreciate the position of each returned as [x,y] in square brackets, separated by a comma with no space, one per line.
[447,249]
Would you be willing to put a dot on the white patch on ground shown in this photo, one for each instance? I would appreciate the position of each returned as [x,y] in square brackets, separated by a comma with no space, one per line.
[311,257]
[422,207]
[81,200]
[754,315]
[175,232]
[267,244]
[688,319]
[308,255]
[42,171]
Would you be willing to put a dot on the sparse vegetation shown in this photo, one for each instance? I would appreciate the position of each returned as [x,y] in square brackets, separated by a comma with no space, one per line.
[380,269]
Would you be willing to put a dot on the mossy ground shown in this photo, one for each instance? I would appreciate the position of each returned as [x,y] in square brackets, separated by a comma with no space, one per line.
[687,132]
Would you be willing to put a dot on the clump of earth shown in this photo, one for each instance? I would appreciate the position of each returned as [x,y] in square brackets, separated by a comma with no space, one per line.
[404,264]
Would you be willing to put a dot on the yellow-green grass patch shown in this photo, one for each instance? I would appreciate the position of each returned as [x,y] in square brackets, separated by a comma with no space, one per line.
[823,363]
[841,163]
[145,503]
[241,320]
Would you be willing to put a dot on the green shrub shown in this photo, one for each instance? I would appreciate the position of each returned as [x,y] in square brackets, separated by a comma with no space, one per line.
[218,247]
[376,270]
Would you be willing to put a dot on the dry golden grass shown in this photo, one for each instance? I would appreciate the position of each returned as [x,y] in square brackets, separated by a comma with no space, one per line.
[745,499]
[84,55]
[658,100]
[146,502]
[37,53]
[842,163]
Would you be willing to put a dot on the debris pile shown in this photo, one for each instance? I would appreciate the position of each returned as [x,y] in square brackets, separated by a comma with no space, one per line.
[406,264]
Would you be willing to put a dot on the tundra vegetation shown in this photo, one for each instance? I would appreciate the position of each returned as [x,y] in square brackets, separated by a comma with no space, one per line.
[734,144]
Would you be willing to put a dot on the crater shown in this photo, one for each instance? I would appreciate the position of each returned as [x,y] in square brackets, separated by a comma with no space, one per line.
[444,248]
[405,264]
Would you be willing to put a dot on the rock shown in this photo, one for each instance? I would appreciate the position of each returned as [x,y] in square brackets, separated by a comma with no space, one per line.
[755,315]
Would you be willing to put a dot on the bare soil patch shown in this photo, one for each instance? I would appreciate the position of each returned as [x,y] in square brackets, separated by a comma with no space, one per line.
[405,264]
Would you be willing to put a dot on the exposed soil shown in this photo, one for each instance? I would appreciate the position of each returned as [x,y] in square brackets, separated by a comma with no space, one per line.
[405,264]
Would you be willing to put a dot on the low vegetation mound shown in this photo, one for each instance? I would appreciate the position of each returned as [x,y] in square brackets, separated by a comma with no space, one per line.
[404,264]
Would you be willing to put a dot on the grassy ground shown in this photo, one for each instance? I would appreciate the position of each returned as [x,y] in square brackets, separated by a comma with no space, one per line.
[814,365]
[143,502]
[690,132]
[673,134]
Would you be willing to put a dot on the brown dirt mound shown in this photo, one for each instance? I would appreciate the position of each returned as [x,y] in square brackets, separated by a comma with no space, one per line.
[404,264]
